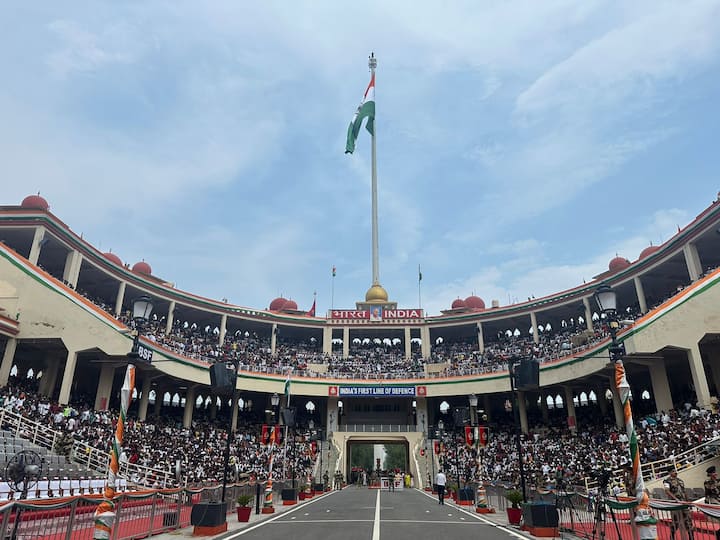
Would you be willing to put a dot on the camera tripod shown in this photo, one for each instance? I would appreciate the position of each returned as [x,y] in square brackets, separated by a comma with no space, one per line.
[600,515]
[564,505]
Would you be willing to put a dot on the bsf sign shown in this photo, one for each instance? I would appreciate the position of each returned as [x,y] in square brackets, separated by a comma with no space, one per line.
[144,353]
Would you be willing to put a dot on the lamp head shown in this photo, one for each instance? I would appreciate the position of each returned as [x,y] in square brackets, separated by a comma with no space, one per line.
[473,399]
[275,400]
[142,308]
[606,299]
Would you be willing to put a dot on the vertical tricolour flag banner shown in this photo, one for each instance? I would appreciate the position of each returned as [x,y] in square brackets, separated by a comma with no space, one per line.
[365,110]
[287,388]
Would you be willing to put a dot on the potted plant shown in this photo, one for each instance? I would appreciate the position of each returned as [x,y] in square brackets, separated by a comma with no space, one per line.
[302,493]
[514,511]
[243,507]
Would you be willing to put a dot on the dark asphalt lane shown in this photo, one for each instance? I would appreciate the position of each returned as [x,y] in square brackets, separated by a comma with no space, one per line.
[358,514]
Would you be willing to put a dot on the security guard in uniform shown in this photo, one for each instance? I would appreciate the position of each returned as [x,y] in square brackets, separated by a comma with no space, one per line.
[675,491]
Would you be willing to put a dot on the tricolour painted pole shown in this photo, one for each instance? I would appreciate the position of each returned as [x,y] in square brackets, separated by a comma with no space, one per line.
[105,512]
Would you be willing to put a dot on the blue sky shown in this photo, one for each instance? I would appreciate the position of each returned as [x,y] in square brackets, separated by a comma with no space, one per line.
[520,144]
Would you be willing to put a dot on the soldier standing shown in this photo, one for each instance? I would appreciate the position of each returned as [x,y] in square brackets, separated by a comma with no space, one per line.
[675,491]
[712,489]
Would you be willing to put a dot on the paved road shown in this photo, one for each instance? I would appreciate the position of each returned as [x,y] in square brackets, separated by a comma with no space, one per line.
[364,514]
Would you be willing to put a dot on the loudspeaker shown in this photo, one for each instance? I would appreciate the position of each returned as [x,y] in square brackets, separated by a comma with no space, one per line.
[288,416]
[540,515]
[221,379]
[461,416]
[208,514]
[528,375]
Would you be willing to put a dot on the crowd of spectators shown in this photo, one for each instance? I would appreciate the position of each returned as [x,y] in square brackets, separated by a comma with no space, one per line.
[163,444]
[375,359]
[551,452]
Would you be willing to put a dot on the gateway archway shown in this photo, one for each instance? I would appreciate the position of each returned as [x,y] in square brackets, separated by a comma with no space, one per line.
[376,453]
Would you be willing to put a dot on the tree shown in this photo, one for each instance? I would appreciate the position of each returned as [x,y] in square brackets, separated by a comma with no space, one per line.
[395,457]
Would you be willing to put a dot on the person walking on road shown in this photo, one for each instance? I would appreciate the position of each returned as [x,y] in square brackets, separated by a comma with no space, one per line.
[440,481]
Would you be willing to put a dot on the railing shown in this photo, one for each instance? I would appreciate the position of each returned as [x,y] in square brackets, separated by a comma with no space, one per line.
[88,456]
[138,515]
[662,467]
[615,519]
[377,428]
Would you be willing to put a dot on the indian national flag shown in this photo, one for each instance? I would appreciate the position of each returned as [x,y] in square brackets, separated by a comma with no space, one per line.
[365,110]
[287,386]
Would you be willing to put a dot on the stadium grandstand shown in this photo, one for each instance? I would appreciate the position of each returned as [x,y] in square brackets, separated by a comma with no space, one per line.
[372,374]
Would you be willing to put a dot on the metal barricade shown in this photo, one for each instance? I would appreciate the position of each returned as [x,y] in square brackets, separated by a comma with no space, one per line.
[138,514]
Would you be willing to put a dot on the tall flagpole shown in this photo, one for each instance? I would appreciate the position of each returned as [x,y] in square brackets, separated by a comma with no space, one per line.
[419,281]
[372,63]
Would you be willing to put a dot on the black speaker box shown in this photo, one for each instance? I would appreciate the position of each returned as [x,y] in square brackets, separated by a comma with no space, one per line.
[221,379]
[528,375]
[208,514]
[288,416]
[461,416]
[540,515]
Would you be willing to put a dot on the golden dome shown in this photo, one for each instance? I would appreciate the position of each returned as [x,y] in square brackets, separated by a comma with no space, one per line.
[376,294]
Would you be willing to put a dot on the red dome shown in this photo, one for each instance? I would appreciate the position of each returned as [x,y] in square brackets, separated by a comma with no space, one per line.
[618,263]
[112,257]
[290,304]
[142,268]
[474,302]
[648,251]
[458,303]
[35,201]
[277,304]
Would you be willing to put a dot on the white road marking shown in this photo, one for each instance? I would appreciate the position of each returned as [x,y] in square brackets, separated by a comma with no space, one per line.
[376,524]
[486,521]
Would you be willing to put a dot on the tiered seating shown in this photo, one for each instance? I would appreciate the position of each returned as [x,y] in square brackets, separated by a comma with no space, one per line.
[60,476]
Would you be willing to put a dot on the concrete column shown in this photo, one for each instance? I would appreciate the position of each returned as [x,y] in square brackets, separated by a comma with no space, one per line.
[533,324]
[480,338]
[617,405]
[570,408]
[68,376]
[120,299]
[37,243]
[692,261]
[71,272]
[640,293]
[190,397]
[7,361]
[522,407]
[159,392]
[223,329]
[332,416]
[213,407]
[170,318]
[421,415]
[104,387]
[715,371]
[408,345]
[346,342]
[49,378]
[273,338]
[544,408]
[425,346]
[233,422]
[702,391]
[144,398]
[588,313]
[660,386]
[327,340]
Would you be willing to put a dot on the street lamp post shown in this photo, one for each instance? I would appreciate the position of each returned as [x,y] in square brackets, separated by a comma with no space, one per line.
[142,308]
[606,299]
